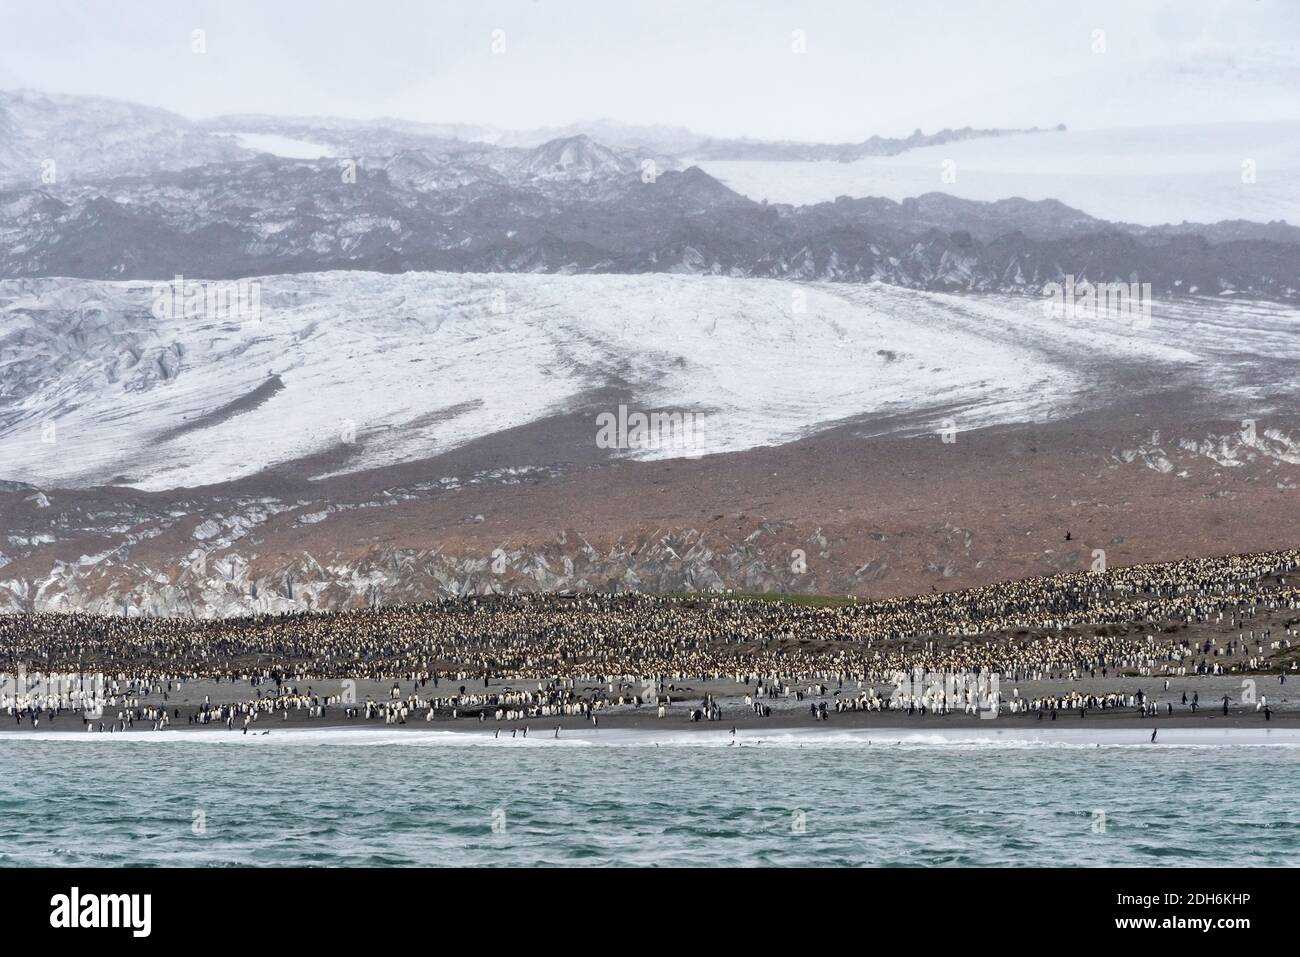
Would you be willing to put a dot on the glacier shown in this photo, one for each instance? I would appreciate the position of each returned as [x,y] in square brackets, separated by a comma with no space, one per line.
[381,369]
[1147,175]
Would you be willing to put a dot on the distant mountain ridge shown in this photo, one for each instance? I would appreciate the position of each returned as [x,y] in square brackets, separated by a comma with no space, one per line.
[94,137]
[748,149]
[574,207]
[196,203]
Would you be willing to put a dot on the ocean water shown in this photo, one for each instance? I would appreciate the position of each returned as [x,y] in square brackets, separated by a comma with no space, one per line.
[360,798]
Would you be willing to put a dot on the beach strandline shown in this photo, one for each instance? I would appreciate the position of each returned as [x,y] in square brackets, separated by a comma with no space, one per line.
[539,735]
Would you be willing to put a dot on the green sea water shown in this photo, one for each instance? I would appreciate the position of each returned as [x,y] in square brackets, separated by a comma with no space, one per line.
[185,802]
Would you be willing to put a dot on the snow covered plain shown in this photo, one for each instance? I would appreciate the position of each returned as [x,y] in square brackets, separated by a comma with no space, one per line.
[393,368]
[285,146]
[1143,175]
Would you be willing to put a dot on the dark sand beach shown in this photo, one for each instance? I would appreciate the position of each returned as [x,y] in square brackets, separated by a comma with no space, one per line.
[1282,699]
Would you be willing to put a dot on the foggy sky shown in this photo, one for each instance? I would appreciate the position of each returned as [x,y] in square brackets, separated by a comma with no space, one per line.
[723,67]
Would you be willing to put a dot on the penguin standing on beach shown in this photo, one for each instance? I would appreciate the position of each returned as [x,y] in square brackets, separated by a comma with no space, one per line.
[1153,735]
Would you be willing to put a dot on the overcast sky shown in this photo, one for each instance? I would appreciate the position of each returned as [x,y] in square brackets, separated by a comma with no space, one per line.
[724,67]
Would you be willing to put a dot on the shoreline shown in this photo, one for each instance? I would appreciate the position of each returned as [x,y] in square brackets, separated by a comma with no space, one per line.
[1119,732]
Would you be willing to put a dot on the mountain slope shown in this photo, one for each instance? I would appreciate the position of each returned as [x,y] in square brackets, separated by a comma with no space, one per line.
[576,207]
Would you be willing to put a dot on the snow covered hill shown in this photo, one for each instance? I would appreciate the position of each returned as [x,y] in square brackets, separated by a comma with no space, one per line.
[576,158]
[376,369]
[86,137]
